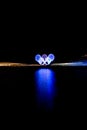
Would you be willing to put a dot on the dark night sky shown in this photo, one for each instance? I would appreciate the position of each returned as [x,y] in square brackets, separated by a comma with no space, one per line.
[24,34]
[26,54]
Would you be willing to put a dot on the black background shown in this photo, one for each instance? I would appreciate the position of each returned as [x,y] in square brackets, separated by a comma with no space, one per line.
[26,55]
[28,31]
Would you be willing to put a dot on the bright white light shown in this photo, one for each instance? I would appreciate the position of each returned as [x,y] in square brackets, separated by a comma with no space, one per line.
[49,59]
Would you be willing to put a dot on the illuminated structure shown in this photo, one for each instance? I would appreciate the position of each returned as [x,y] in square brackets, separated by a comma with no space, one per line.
[44,59]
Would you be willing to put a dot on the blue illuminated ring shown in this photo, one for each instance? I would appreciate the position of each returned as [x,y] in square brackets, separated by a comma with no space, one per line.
[44,59]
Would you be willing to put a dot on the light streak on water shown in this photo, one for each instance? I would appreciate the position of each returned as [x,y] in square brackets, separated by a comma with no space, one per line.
[45,82]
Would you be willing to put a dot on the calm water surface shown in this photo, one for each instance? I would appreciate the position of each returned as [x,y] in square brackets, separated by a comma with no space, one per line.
[52,89]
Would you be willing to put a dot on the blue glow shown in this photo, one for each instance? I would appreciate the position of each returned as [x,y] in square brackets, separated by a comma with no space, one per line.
[44,56]
[49,59]
[51,56]
[45,87]
[44,59]
[39,59]
[78,63]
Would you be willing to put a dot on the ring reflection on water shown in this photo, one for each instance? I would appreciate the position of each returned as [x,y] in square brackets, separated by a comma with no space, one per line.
[45,82]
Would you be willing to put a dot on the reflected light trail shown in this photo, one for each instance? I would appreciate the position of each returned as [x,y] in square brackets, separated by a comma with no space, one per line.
[45,87]
[78,63]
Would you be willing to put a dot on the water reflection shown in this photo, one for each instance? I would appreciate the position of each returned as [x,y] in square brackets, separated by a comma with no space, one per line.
[45,83]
